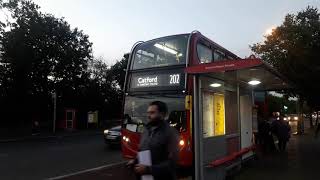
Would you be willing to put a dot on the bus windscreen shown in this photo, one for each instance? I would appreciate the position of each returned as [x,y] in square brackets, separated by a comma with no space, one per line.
[161,52]
[135,111]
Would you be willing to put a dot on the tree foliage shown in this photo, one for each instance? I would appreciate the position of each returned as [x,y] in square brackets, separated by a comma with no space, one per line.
[293,49]
[276,104]
[42,50]
[41,54]
[118,71]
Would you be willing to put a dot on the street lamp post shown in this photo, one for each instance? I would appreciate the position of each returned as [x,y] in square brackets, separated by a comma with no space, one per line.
[54,97]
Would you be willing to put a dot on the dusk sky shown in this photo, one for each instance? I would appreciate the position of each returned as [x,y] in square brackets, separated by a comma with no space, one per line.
[115,25]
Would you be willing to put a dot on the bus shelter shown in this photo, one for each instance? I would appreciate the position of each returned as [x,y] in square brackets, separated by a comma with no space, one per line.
[223,104]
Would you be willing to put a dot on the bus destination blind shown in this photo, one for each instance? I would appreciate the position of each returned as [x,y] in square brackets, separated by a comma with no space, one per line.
[156,80]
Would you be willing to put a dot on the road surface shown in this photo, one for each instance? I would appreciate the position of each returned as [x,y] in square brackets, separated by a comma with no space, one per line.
[55,157]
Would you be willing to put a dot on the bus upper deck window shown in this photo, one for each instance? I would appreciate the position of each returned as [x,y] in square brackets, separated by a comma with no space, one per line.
[160,52]
[218,56]
[204,53]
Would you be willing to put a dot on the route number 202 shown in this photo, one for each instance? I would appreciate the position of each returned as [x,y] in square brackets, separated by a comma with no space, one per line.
[174,78]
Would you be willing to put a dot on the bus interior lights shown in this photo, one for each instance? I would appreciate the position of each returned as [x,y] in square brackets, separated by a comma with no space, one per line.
[165,48]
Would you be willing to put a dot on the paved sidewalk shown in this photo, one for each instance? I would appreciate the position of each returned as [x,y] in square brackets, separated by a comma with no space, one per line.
[301,162]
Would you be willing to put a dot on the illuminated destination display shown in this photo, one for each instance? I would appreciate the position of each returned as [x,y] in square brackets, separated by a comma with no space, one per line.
[147,81]
[156,80]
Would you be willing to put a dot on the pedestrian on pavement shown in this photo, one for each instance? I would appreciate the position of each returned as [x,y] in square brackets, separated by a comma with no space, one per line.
[162,141]
[317,130]
[35,127]
[282,129]
[269,140]
[263,131]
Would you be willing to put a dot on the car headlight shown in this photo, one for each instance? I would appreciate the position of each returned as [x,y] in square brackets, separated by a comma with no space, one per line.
[295,118]
[285,118]
[106,131]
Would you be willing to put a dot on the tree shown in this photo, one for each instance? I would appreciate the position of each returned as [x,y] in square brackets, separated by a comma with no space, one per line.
[103,90]
[118,71]
[293,49]
[43,55]
[276,104]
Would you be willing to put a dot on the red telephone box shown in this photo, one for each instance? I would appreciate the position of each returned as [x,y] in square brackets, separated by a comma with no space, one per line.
[69,119]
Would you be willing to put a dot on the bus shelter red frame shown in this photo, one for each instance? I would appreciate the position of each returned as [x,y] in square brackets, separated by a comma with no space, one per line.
[246,70]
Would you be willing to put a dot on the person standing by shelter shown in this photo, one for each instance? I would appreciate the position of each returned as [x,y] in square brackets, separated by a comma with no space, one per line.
[317,130]
[264,133]
[268,128]
[162,140]
[282,130]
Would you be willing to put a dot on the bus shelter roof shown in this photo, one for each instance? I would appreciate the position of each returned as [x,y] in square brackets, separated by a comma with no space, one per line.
[243,71]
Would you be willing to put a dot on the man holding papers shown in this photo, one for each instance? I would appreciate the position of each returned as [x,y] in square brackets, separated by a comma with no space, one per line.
[161,141]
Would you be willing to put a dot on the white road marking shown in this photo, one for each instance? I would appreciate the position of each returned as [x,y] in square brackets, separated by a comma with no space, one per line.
[86,170]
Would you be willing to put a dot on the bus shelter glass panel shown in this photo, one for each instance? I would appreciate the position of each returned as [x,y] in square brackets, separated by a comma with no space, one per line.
[208,123]
[219,114]
[231,112]
[213,114]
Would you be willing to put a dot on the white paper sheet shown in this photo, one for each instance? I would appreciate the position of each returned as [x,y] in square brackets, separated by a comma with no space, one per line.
[144,158]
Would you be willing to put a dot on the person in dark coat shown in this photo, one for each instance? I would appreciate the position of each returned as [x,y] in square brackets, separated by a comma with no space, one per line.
[162,140]
[317,131]
[268,129]
[282,129]
[265,136]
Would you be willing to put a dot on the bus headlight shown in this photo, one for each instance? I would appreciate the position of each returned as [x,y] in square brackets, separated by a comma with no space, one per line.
[181,142]
[126,139]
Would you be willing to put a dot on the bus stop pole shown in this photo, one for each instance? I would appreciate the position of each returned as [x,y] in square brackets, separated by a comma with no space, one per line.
[196,130]
[54,95]
[239,117]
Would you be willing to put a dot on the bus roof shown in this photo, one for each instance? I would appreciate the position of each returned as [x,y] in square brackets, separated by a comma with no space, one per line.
[198,33]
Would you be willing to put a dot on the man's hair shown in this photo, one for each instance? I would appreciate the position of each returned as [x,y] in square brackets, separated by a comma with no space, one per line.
[162,107]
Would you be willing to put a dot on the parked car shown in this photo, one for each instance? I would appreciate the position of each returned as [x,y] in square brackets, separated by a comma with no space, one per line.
[112,136]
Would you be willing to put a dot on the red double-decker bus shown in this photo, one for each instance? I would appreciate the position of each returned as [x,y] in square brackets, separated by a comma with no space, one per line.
[155,71]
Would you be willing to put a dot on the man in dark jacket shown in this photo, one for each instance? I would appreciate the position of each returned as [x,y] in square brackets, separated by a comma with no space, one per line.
[281,129]
[162,141]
